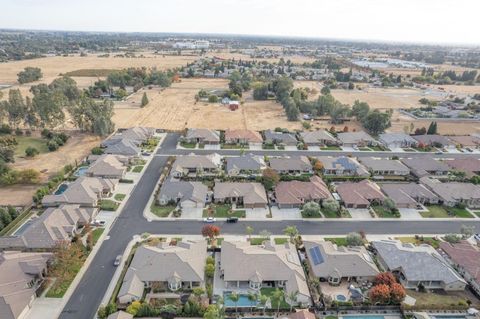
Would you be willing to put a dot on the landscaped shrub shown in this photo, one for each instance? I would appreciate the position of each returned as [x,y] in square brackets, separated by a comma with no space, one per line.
[31,151]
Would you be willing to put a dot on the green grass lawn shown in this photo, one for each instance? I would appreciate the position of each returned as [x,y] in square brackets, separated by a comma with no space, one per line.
[60,286]
[379,148]
[340,241]
[365,149]
[137,169]
[223,211]
[188,145]
[96,233]
[257,241]
[108,204]
[312,216]
[383,213]
[438,299]
[25,141]
[269,292]
[234,146]
[477,213]
[331,148]
[281,241]
[418,241]
[119,197]
[161,211]
[437,211]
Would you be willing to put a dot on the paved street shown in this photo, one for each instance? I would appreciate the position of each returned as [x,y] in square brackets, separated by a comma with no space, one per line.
[89,293]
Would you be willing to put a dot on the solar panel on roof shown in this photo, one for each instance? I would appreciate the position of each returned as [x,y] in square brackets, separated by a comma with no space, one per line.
[345,163]
[317,257]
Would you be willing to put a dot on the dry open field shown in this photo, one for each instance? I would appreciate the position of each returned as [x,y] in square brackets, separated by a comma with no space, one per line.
[175,108]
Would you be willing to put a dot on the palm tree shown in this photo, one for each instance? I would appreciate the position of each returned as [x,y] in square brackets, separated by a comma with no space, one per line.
[292,232]
[235,298]
[277,297]
[253,299]
[262,300]
[292,298]
[221,307]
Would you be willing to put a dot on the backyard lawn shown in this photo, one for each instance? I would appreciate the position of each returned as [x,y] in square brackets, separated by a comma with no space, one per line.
[436,211]
[269,292]
[439,299]
[161,211]
[224,211]
[25,141]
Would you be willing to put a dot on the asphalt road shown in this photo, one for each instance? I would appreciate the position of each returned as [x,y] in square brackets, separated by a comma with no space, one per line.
[89,293]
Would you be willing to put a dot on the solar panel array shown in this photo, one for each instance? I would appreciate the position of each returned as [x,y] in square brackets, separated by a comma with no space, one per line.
[346,163]
[317,257]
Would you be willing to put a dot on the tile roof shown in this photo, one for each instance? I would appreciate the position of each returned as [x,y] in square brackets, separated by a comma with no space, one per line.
[361,193]
[252,193]
[248,135]
[207,135]
[297,192]
[407,193]
[465,255]
[318,136]
[295,163]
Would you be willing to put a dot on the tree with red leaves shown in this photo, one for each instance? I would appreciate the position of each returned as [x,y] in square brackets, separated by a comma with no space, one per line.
[385,278]
[397,293]
[379,294]
[210,231]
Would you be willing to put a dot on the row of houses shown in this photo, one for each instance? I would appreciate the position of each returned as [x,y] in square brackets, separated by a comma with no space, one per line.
[325,138]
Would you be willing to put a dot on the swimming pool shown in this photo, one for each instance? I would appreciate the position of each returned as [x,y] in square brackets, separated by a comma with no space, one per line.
[81,171]
[62,188]
[243,301]
[341,298]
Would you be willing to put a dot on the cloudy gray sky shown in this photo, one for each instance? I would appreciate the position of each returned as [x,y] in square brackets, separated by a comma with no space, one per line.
[432,21]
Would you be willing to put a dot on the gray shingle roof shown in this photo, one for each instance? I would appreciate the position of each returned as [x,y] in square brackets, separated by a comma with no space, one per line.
[317,137]
[248,162]
[407,193]
[399,138]
[295,163]
[280,137]
[252,193]
[355,137]
[384,164]
[192,191]
[204,134]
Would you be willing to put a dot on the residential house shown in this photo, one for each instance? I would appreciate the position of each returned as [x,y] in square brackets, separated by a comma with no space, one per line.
[380,167]
[139,134]
[203,136]
[244,137]
[360,195]
[334,264]
[416,266]
[192,164]
[280,138]
[356,139]
[434,140]
[318,138]
[293,194]
[166,267]
[246,165]
[184,194]
[248,195]
[21,274]
[426,166]
[464,141]
[84,191]
[291,165]
[465,258]
[302,314]
[54,225]
[108,166]
[342,166]
[397,140]
[470,166]
[123,147]
[454,193]
[409,195]
[246,266]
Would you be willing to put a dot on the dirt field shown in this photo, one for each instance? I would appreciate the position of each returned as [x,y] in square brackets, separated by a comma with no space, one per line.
[382,98]
[17,195]
[175,108]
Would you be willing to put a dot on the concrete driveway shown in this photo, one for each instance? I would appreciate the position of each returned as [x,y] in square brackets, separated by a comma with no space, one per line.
[409,213]
[359,213]
[256,213]
[291,148]
[285,213]
[192,213]
[212,147]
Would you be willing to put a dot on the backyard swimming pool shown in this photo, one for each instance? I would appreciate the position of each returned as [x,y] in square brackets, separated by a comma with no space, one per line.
[341,298]
[61,189]
[243,301]
[81,171]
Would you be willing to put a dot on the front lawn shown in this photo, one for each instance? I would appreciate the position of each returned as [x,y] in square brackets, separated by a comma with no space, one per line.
[477,213]
[108,204]
[316,215]
[269,292]
[28,141]
[437,211]
[379,148]
[224,211]
[188,145]
[340,241]
[420,240]
[365,149]
[257,241]
[119,197]
[332,214]
[384,213]
[161,211]
[96,233]
[234,146]
[137,169]
[281,241]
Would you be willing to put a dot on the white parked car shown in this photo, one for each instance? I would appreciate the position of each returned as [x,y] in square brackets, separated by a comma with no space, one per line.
[209,220]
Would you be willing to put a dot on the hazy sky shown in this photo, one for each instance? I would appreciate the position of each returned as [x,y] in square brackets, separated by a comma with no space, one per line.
[432,21]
